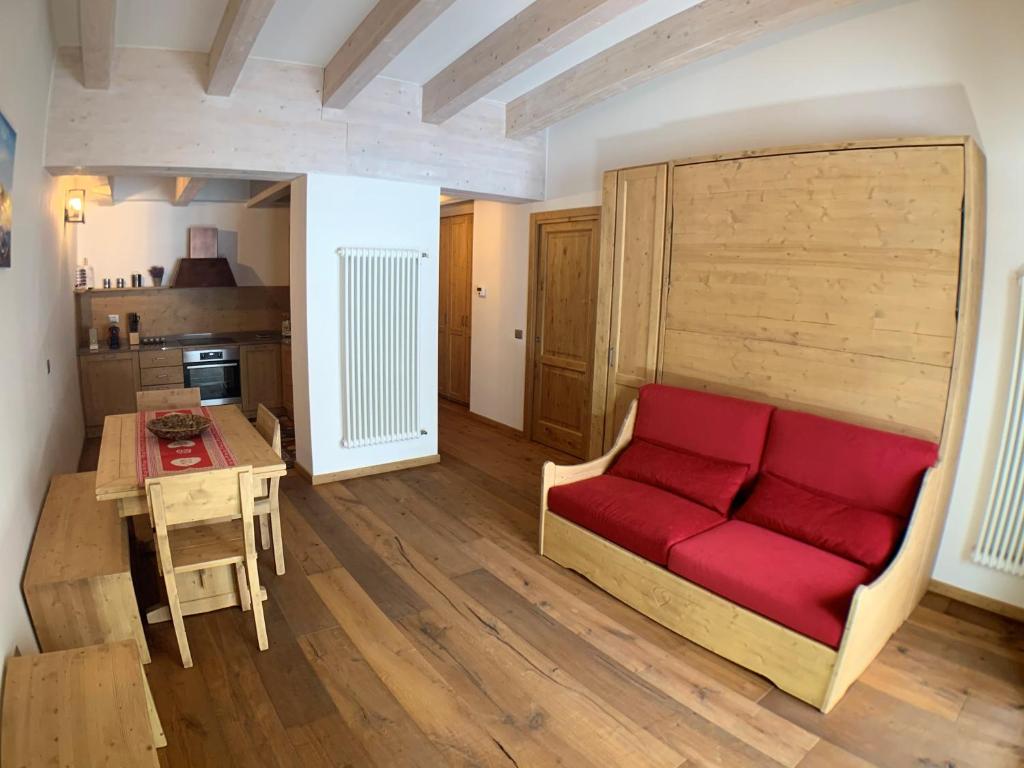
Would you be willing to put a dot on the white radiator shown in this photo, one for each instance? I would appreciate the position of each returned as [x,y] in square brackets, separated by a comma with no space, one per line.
[1001,539]
[380,367]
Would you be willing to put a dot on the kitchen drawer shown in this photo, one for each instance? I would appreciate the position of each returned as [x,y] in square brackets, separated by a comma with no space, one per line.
[167,375]
[159,358]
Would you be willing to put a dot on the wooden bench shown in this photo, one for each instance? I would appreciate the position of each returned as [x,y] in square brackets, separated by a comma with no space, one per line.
[78,583]
[86,707]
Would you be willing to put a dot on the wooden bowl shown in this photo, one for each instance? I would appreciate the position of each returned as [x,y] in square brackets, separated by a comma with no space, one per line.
[178,426]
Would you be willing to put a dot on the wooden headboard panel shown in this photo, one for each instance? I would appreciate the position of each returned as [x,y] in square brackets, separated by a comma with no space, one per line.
[824,280]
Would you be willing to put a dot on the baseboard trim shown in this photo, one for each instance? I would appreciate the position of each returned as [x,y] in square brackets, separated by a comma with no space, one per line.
[376,469]
[496,424]
[978,601]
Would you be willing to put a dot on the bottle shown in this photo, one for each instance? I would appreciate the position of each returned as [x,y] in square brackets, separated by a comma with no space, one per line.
[84,278]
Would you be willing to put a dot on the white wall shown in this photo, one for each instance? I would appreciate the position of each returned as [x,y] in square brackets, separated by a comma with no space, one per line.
[134,235]
[42,432]
[335,211]
[501,251]
[883,68]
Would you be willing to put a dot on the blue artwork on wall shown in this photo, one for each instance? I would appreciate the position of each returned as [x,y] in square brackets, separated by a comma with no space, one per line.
[7,140]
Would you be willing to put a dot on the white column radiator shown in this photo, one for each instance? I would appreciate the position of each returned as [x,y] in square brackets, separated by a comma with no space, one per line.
[380,329]
[1001,539]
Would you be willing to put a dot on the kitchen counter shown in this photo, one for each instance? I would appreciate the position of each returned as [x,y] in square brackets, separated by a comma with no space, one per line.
[240,338]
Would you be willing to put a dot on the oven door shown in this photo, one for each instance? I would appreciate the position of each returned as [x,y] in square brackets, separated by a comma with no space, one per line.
[218,383]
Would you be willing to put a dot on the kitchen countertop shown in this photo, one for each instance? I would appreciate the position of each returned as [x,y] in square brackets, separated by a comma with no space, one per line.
[240,338]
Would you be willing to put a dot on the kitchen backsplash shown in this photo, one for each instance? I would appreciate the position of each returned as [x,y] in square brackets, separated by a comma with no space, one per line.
[171,311]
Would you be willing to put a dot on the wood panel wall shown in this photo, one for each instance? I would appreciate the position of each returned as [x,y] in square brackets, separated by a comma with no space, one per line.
[158,116]
[168,311]
[823,281]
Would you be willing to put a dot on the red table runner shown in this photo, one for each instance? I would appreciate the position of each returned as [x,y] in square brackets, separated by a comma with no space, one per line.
[156,457]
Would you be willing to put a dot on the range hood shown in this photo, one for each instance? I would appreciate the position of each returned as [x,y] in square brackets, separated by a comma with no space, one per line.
[204,273]
[203,268]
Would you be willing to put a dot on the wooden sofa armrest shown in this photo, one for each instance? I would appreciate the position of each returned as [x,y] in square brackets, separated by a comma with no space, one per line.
[879,608]
[555,474]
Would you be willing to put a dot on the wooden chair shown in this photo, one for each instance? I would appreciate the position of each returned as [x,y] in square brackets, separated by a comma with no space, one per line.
[223,500]
[166,399]
[268,508]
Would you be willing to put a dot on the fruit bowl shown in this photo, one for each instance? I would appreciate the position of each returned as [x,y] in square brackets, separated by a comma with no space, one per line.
[178,426]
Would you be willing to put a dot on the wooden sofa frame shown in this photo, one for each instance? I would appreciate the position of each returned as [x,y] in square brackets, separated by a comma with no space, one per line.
[805,668]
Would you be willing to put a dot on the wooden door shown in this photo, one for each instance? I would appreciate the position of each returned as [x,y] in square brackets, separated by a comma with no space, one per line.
[109,383]
[562,325]
[455,307]
[261,377]
[637,285]
[443,301]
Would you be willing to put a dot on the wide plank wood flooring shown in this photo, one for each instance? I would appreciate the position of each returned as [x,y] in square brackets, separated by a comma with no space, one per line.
[416,626]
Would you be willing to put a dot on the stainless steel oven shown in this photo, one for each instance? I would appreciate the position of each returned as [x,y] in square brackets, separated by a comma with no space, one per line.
[216,372]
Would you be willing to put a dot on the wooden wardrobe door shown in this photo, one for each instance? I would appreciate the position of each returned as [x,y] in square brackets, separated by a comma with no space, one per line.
[638,273]
[563,327]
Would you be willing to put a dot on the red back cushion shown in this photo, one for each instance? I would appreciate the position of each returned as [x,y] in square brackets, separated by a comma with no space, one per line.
[710,425]
[713,483]
[861,535]
[862,467]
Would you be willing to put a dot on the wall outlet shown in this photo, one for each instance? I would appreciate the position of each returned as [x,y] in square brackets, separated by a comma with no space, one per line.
[519,333]
[115,319]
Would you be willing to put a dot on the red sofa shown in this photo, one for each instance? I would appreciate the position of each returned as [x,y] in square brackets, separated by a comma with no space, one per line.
[780,512]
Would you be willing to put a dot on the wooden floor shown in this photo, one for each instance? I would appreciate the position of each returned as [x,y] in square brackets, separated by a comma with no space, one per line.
[416,626]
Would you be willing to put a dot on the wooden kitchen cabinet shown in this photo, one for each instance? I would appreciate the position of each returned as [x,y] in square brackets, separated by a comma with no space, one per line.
[109,381]
[261,377]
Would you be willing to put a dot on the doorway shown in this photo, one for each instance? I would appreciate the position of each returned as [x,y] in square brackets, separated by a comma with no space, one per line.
[455,316]
[561,323]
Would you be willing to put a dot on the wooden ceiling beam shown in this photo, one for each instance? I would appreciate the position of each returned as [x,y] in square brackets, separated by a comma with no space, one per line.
[239,28]
[541,29]
[96,24]
[186,188]
[706,29]
[271,196]
[387,29]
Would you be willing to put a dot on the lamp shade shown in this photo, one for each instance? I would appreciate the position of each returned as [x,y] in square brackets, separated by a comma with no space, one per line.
[74,206]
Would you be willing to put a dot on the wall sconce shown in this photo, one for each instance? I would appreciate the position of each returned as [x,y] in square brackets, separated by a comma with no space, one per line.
[74,206]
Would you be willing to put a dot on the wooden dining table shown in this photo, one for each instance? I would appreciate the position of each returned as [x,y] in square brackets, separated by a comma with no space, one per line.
[117,480]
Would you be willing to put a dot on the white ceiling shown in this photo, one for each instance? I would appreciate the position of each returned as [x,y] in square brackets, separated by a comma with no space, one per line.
[311,31]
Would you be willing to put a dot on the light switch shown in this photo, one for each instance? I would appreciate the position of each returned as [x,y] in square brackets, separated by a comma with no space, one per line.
[481,292]
[519,333]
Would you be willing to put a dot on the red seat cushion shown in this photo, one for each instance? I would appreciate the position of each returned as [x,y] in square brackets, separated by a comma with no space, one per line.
[862,535]
[710,482]
[641,518]
[794,584]
[710,425]
[863,467]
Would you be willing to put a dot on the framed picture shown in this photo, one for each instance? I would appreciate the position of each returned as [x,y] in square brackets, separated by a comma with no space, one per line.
[7,140]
